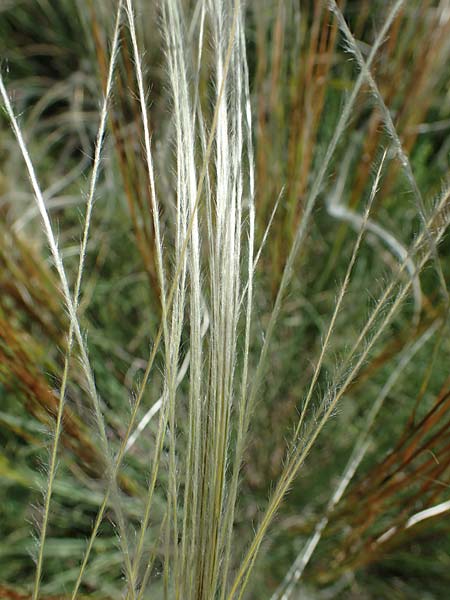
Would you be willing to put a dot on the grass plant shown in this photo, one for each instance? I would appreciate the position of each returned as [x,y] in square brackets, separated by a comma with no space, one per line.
[224,307]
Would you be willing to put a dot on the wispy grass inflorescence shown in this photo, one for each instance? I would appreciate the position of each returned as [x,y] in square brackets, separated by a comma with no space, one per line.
[212,334]
[71,303]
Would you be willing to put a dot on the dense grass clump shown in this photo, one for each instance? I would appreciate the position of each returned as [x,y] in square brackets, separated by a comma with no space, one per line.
[224,299]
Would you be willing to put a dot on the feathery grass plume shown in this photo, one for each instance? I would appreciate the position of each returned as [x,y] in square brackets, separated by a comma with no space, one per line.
[325,344]
[338,303]
[71,305]
[210,414]
[231,238]
[301,231]
[186,178]
[330,401]
[328,404]
[293,576]
[64,381]
[387,118]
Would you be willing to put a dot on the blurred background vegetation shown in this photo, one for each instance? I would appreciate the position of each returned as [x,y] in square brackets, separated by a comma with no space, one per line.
[54,58]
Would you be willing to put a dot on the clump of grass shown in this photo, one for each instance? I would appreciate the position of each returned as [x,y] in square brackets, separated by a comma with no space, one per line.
[169,454]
